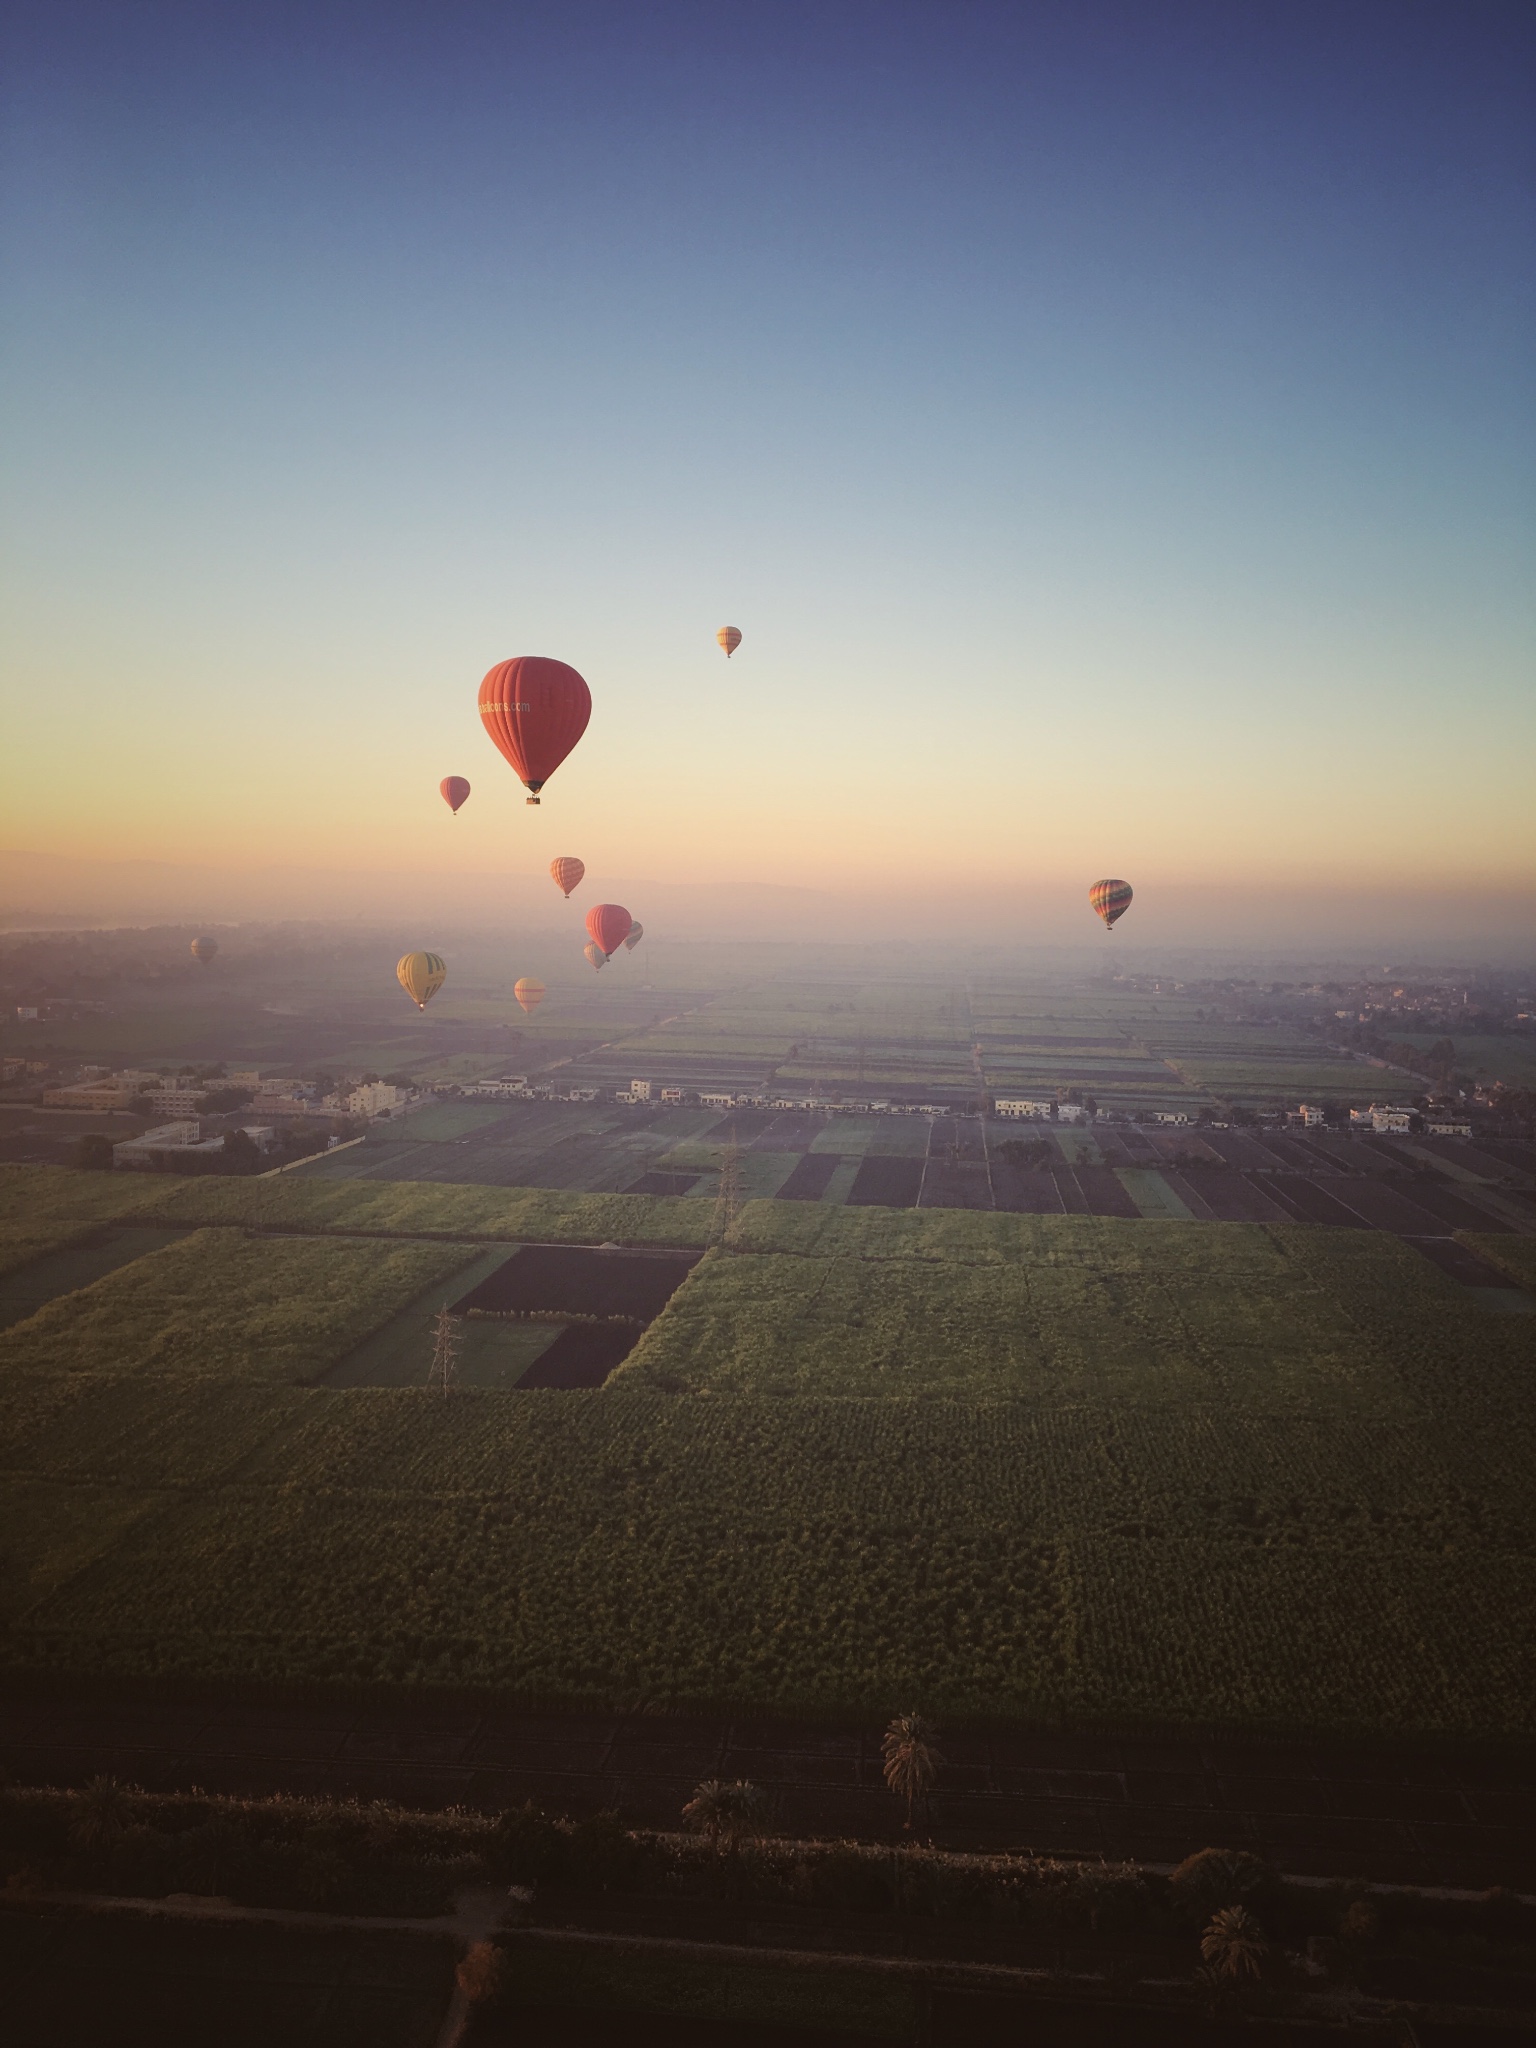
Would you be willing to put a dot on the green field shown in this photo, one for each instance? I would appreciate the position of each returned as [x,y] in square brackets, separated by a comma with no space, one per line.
[994,1465]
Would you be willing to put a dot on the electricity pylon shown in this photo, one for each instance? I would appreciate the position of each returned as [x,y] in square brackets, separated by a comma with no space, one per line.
[445,1352]
[728,1195]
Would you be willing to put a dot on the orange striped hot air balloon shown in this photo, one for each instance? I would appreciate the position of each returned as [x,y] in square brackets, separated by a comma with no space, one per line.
[535,710]
[635,934]
[567,871]
[594,952]
[530,992]
[453,789]
[1110,900]
[609,925]
[729,638]
[421,975]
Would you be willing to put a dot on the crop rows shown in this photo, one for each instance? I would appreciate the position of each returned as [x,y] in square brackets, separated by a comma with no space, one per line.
[224,1306]
[829,1557]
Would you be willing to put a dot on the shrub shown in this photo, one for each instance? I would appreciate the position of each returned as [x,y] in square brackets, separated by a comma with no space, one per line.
[1218,1880]
[1233,1947]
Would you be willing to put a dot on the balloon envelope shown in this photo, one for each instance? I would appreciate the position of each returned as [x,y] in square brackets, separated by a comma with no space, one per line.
[204,949]
[453,790]
[1110,899]
[530,992]
[608,924]
[421,975]
[632,939]
[729,638]
[567,871]
[595,953]
[535,710]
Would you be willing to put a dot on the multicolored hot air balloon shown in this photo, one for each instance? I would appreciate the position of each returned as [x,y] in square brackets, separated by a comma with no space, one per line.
[421,975]
[609,924]
[594,952]
[530,992]
[204,949]
[567,871]
[535,710]
[635,935]
[729,638]
[453,789]
[1110,900]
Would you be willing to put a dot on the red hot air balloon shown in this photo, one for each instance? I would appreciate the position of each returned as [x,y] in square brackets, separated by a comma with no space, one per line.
[609,925]
[535,710]
[567,871]
[453,789]
[1110,900]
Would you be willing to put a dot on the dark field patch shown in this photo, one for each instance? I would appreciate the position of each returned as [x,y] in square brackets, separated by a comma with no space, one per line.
[583,1355]
[1239,1150]
[947,1186]
[1387,1208]
[559,1279]
[1024,1191]
[1237,1198]
[1461,1262]
[792,1130]
[1306,1202]
[1455,1210]
[886,1183]
[1103,1193]
[660,1182]
[811,1178]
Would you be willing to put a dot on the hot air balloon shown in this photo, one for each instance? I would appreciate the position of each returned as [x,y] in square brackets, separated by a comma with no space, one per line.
[1110,900]
[567,871]
[609,924]
[421,975]
[453,789]
[204,949]
[729,638]
[595,953]
[529,992]
[636,934]
[535,710]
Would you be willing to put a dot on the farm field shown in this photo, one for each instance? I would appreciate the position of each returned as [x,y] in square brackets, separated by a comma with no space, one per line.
[1005,1465]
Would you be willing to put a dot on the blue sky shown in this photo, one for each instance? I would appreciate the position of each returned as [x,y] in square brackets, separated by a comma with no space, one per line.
[1110,426]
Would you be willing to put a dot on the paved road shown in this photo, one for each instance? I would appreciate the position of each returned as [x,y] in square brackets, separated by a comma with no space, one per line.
[1392,1815]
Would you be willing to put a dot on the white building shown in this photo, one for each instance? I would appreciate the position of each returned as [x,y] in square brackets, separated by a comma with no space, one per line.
[718,1101]
[1030,1106]
[1171,1116]
[1387,1117]
[371,1098]
[181,1137]
[177,1098]
[1311,1116]
[671,1094]
[1074,1113]
[639,1091]
[1448,1125]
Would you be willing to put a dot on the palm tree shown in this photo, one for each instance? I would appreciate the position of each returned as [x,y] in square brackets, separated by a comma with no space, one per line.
[911,1761]
[726,1814]
[1233,1945]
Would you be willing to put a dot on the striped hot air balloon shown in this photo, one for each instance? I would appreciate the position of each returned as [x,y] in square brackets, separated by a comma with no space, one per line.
[595,954]
[567,871]
[204,949]
[636,934]
[421,975]
[535,710]
[453,789]
[729,638]
[609,925]
[1110,900]
[530,992]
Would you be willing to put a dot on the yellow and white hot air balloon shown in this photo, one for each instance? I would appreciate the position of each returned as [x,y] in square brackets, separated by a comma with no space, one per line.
[530,992]
[421,975]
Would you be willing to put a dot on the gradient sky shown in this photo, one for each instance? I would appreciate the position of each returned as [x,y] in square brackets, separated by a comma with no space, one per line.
[1111,427]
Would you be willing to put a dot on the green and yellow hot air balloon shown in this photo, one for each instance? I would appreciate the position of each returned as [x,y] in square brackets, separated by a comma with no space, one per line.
[421,975]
